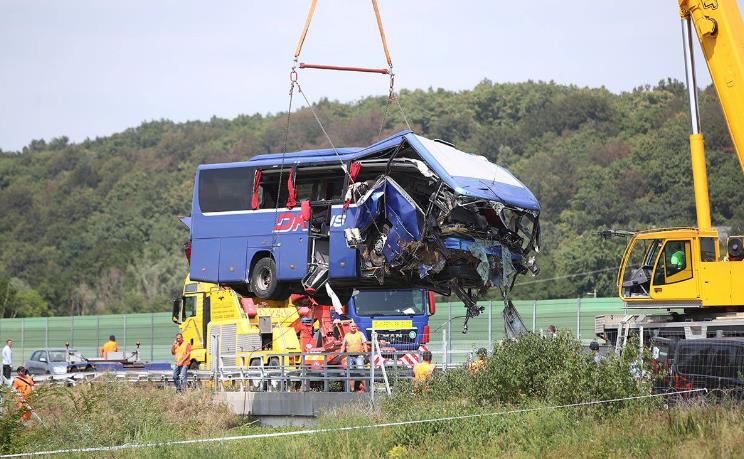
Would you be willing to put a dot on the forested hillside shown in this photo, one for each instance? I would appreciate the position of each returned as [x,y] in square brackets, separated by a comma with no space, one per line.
[91,228]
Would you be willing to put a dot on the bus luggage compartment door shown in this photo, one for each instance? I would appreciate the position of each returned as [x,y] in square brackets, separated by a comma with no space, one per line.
[205,259]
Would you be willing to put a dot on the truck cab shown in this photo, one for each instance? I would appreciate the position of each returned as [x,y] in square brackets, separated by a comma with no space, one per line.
[400,317]
[249,333]
[244,333]
[679,268]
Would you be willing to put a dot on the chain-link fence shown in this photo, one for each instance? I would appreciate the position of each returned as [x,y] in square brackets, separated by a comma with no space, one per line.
[713,363]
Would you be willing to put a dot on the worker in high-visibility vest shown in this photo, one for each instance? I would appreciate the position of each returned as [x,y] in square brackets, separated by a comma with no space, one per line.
[479,363]
[181,351]
[424,369]
[110,346]
[677,261]
[355,343]
[23,384]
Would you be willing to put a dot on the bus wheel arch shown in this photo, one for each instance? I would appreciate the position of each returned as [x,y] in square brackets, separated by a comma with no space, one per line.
[263,278]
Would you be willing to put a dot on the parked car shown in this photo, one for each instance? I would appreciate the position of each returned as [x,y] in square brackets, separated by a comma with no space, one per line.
[709,363]
[57,361]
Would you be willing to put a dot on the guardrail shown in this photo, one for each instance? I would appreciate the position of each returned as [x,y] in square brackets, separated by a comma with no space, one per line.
[305,375]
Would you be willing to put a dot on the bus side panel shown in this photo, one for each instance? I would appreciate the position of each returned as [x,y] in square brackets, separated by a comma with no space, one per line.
[343,259]
[232,260]
[291,251]
[205,260]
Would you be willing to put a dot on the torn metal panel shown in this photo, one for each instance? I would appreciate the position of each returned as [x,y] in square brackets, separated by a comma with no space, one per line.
[471,237]
[395,217]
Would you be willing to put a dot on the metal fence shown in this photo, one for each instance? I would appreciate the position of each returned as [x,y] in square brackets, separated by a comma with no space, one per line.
[155,331]
[670,364]
[573,315]
[86,334]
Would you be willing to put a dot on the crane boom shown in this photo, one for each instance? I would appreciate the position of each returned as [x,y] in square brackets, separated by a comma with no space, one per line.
[682,268]
[719,28]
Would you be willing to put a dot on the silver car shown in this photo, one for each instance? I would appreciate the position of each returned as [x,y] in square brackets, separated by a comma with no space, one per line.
[57,361]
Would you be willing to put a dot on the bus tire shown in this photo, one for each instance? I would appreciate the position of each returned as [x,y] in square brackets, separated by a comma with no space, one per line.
[264,282]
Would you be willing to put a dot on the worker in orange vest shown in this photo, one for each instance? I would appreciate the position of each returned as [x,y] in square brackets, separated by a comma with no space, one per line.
[355,343]
[181,351]
[23,384]
[480,361]
[109,346]
[423,369]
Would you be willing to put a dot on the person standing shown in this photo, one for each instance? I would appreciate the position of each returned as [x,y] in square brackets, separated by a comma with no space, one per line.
[423,370]
[355,343]
[480,361]
[181,351]
[7,359]
[23,384]
[596,356]
[109,346]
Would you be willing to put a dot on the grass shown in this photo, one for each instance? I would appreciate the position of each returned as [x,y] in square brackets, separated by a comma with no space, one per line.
[698,430]
[531,373]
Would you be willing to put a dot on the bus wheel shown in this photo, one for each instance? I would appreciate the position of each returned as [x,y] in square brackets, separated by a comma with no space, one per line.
[264,282]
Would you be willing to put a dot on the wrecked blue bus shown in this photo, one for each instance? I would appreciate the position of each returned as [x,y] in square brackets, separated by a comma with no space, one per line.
[405,212]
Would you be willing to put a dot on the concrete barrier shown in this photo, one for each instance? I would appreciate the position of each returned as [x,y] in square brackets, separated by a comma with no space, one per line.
[287,408]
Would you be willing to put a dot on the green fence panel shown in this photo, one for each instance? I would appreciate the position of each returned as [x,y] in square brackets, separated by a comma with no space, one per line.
[84,336]
[13,329]
[155,331]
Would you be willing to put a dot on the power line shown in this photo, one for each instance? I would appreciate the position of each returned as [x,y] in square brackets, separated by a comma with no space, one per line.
[582,274]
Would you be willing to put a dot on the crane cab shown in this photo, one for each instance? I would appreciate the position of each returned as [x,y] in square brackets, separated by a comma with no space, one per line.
[679,268]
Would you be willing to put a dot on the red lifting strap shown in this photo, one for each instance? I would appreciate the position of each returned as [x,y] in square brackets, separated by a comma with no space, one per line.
[305,210]
[292,197]
[344,69]
[356,166]
[256,184]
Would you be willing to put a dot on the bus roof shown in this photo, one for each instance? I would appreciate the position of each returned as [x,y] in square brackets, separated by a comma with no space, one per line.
[467,174]
[326,155]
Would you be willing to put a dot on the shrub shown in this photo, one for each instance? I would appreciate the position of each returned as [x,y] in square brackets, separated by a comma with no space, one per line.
[535,369]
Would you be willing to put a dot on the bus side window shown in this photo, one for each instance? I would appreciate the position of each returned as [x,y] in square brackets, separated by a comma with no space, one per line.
[319,183]
[225,189]
[270,188]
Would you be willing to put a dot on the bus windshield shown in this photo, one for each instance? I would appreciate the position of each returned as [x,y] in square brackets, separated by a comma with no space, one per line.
[389,302]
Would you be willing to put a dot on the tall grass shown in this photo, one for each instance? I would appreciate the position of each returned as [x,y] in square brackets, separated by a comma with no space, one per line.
[111,413]
[530,373]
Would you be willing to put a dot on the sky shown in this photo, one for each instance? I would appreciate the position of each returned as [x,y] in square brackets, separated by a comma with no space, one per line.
[91,68]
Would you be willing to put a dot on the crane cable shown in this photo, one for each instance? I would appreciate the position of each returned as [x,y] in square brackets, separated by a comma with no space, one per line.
[294,83]
[389,71]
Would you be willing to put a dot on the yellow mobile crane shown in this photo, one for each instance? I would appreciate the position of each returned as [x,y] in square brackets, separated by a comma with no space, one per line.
[682,267]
